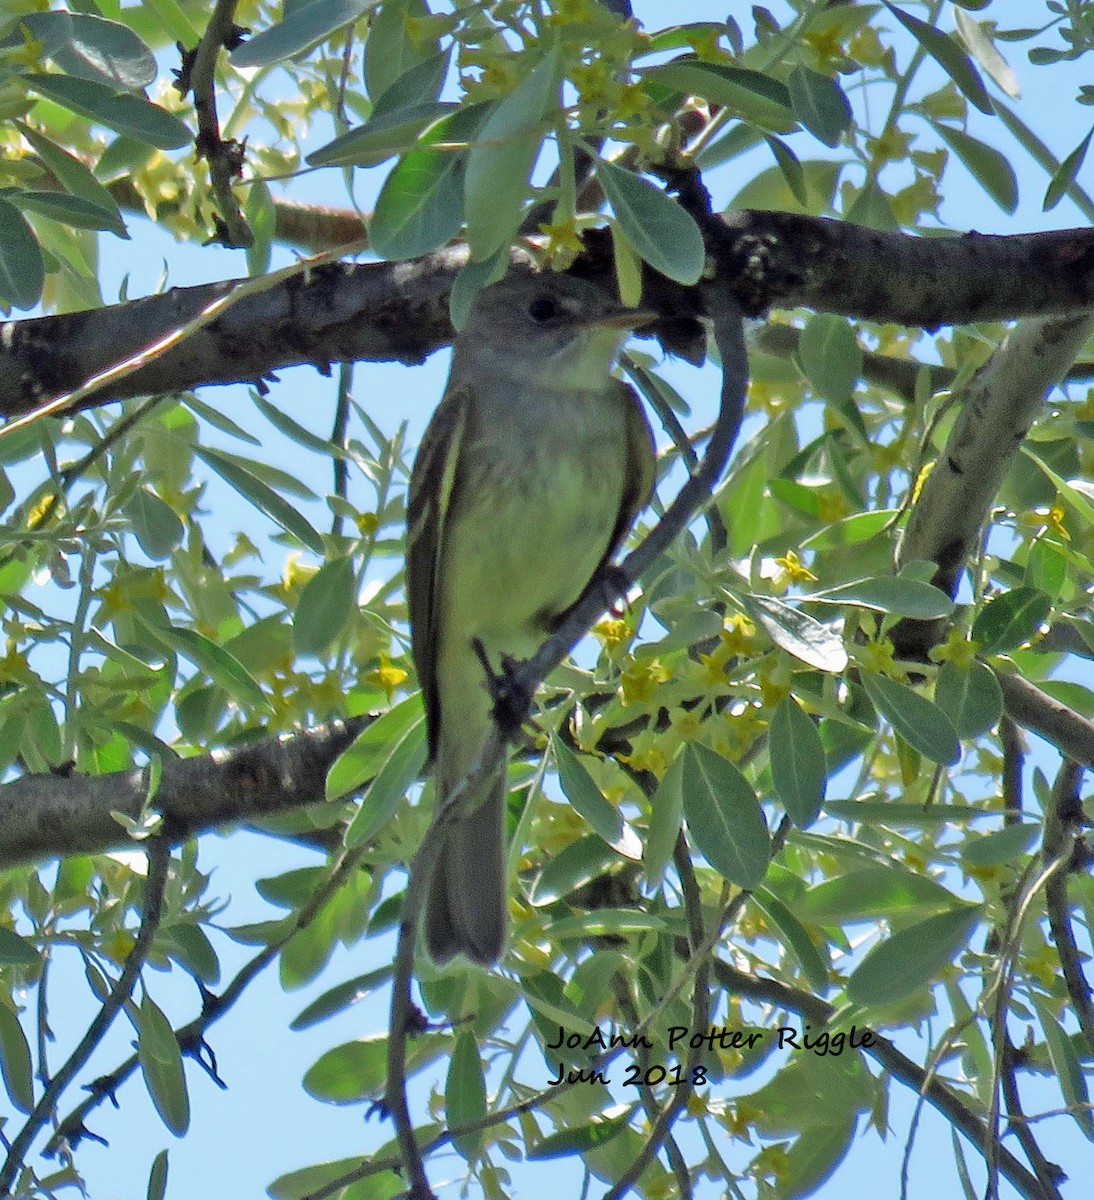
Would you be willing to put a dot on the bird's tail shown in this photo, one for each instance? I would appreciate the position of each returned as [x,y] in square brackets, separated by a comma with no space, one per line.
[467,911]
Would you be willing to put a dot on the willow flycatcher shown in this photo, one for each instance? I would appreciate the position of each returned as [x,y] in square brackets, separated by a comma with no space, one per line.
[530,474]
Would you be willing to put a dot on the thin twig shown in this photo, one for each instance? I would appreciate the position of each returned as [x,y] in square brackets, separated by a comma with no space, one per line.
[159,857]
[1049,1173]
[402,1019]
[224,157]
[1061,837]
[898,1065]
[191,1036]
[700,1009]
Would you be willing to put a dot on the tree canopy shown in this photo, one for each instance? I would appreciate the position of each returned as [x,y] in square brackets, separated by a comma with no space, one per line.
[798,827]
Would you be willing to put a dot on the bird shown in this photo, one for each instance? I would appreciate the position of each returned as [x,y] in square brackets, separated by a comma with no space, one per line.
[533,468]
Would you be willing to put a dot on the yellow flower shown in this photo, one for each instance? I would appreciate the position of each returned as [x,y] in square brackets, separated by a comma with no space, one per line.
[47,506]
[920,480]
[957,648]
[386,677]
[641,681]
[740,635]
[295,574]
[791,571]
[877,658]
[367,523]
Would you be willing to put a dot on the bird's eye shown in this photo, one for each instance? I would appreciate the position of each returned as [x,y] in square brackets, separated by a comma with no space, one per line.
[543,308]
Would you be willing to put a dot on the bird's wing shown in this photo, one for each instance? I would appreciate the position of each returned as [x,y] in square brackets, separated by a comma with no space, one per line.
[641,468]
[431,488]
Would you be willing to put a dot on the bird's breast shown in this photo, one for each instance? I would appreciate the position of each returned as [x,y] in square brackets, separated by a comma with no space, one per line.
[535,512]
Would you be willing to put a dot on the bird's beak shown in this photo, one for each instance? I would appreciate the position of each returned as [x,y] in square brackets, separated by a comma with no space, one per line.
[627,318]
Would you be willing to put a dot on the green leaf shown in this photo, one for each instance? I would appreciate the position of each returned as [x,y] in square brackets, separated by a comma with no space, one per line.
[797,633]
[813,963]
[572,867]
[877,893]
[831,357]
[157,1177]
[790,165]
[819,103]
[1046,568]
[22,271]
[949,56]
[798,766]
[325,606]
[396,42]
[155,523]
[501,160]
[161,1065]
[859,527]
[417,85]
[420,206]
[465,1093]
[578,1140]
[663,233]
[1002,846]
[17,950]
[342,996]
[221,667]
[1066,174]
[76,178]
[404,763]
[1066,1065]
[916,719]
[890,594]
[752,95]
[724,817]
[357,1070]
[1009,620]
[92,48]
[302,27]
[74,211]
[666,812]
[911,958]
[382,137]
[582,792]
[262,496]
[972,699]
[990,168]
[369,750]
[121,111]
[261,215]
[15,1061]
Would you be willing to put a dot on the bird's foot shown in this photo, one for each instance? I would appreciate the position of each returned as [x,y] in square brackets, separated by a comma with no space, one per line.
[512,698]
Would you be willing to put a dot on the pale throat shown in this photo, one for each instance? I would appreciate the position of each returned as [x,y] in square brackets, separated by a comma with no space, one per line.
[583,364]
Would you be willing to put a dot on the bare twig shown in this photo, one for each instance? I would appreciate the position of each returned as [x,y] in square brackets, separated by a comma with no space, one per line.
[159,857]
[225,159]
[190,1037]
[898,1065]
[1062,826]
[1028,706]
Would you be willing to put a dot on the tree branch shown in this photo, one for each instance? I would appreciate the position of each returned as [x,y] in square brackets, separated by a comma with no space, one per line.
[158,860]
[998,408]
[398,311]
[43,815]
[1038,712]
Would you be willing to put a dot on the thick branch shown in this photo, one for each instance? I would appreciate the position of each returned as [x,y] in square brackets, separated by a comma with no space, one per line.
[1037,711]
[43,815]
[998,408]
[398,311]
[834,266]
